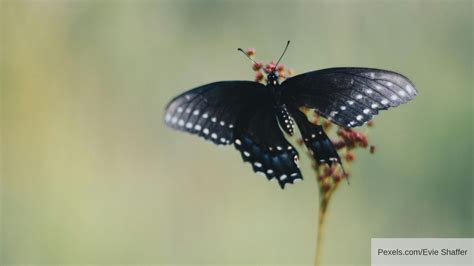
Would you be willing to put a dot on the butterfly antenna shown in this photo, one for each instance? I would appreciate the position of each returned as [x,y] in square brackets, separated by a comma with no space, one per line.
[284,51]
[240,49]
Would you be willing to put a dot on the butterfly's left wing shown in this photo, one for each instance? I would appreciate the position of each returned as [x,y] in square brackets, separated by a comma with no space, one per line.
[210,111]
[261,142]
[348,96]
[242,113]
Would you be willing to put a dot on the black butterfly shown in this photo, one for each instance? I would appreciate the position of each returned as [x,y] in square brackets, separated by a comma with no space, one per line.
[251,115]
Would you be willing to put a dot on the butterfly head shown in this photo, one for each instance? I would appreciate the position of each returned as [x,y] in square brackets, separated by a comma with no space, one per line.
[272,78]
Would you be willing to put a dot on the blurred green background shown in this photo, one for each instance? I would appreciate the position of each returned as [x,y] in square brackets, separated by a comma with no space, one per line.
[90,174]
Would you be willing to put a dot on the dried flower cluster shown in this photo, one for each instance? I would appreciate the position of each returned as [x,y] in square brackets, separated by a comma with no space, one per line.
[347,141]
[261,69]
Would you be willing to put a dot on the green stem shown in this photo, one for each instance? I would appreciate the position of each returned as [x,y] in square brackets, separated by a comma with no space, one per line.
[324,203]
[319,239]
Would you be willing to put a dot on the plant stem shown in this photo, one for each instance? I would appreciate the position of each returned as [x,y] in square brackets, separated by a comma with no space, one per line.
[323,207]
[319,239]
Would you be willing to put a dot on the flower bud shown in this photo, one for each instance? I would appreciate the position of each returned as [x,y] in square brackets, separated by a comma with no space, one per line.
[326,124]
[363,142]
[315,120]
[281,74]
[250,52]
[329,171]
[326,187]
[336,178]
[257,66]
[350,156]
[322,177]
[372,149]
[269,68]
[339,144]
[291,72]
[258,77]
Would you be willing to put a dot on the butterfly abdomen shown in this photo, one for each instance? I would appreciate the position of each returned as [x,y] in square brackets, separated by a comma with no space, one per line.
[285,120]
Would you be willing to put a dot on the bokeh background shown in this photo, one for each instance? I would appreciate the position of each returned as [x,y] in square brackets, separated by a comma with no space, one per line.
[90,174]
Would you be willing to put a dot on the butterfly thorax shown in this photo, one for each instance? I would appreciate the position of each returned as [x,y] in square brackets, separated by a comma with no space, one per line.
[272,79]
[274,86]
[283,115]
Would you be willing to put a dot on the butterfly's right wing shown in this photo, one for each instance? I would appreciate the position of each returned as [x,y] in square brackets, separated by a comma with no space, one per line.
[314,137]
[348,96]
[210,111]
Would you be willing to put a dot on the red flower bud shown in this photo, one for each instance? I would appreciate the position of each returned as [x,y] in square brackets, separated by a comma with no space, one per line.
[269,68]
[350,156]
[257,66]
[250,52]
[326,187]
[258,76]
[372,149]
[336,178]
[329,171]
[281,74]
[291,72]
[363,141]
[339,144]
[315,120]
[327,125]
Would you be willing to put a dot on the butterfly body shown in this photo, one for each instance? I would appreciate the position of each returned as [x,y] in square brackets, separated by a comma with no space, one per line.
[251,116]
[285,119]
